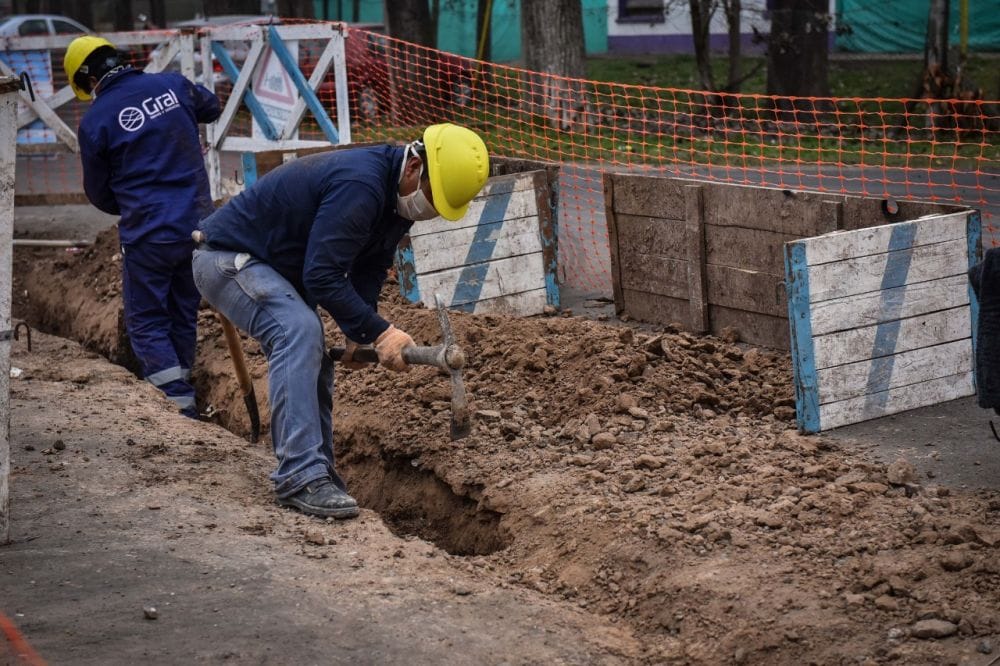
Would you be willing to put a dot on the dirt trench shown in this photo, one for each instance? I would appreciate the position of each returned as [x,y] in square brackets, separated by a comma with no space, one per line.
[651,477]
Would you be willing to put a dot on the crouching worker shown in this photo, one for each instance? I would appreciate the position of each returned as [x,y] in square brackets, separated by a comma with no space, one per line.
[142,160]
[322,231]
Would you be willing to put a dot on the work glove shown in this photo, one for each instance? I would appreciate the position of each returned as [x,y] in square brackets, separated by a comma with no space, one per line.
[389,347]
[350,346]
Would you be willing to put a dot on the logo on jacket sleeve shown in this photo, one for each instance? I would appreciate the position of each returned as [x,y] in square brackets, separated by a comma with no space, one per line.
[131,118]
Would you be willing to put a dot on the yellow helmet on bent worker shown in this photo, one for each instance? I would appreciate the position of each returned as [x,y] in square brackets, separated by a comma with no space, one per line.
[458,165]
[77,53]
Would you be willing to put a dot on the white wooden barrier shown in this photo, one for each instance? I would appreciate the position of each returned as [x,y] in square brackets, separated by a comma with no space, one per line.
[500,257]
[8,132]
[882,319]
[191,46]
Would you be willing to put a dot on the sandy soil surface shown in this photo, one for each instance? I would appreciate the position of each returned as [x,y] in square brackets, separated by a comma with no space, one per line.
[644,487]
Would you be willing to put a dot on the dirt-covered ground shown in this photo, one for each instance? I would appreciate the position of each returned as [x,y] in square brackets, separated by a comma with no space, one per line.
[643,488]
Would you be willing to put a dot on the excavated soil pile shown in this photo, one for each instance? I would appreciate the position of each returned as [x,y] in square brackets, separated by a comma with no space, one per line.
[652,477]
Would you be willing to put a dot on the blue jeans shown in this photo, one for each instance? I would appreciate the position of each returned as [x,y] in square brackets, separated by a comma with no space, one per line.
[161,316]
[300,374]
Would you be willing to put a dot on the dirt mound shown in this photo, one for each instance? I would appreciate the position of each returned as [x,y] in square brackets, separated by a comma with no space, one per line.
[649,476]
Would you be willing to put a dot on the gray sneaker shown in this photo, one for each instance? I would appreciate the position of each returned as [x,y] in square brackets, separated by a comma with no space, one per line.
[322,498]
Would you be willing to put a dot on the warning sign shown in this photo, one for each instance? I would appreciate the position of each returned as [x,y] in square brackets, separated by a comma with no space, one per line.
[275,90]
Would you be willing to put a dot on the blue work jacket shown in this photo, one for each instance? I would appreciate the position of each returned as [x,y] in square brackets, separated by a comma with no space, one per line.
[142,156]
[328,224]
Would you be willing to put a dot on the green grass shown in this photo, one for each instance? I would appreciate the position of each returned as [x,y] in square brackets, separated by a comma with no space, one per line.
[869,77]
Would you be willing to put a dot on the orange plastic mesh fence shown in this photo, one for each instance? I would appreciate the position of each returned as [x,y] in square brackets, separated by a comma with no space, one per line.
[932,150]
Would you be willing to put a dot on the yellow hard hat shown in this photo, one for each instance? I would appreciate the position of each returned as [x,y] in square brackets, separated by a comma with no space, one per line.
[458,165]
[76,54]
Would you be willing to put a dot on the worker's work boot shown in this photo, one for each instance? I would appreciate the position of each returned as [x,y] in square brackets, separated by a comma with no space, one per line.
[322,498]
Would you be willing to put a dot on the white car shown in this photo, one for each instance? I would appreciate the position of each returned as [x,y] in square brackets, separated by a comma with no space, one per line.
[33,25]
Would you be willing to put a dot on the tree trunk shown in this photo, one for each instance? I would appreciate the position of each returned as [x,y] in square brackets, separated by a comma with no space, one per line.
[797,58]
[701,20]
[221,7]
[82,11]
[937,79]
[123,15]
[295,9]
[158,13]
[552,35]
[410,20]
[733,9]
[798,49]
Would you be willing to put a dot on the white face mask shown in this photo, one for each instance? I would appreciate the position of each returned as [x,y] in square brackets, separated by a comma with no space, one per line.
[414,206]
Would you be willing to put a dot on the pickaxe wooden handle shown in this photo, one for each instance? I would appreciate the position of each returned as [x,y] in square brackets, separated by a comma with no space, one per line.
[447,356]
[242,374]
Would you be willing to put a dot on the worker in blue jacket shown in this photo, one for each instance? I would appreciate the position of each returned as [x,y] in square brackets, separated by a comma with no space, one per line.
[322,231]
[142,160]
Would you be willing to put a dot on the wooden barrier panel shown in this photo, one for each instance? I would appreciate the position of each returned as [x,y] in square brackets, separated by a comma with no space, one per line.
[500,257]
[709,256]
[882,318]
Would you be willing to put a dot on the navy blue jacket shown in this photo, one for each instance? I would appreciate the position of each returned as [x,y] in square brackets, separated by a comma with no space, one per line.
[328,224]
[142,154]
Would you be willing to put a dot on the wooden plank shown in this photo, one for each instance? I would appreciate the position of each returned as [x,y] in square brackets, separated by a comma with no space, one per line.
[28,115]
[648,195]
[614,242]
[249,144]
[473,245]
[885,271]
[50,199]
[864,212]
[751,249]
[783,211]
[974,234]
[240,87]
[470,284]
[47,115]
[752,327]
[746,290]
[548,236]
[697,276]
[524,304]
[843,382]
[43,149]
[932,392]
[315,79]
[833,216]
[801,338]
[841,314]
[483,210]
[654,308]
[875,240]
[655,275]
[858,344]
[651,235]
[8,137]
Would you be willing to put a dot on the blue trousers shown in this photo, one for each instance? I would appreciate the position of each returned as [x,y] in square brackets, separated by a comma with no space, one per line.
[255,298]
[161,316]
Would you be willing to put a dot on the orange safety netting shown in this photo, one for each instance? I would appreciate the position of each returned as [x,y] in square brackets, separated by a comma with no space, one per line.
[932,150]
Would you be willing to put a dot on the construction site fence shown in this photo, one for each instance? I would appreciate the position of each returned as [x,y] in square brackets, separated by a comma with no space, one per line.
[942,150]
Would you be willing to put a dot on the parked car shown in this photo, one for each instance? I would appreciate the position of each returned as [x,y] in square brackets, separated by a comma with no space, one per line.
[33,25]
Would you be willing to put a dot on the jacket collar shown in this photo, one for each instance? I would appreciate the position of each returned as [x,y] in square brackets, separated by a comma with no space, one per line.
[114,78]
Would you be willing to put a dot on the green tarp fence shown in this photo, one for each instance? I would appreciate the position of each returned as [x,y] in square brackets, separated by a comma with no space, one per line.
[457,24]
[900,26]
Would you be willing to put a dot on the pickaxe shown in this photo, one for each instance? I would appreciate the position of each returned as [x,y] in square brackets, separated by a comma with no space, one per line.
[447,356]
